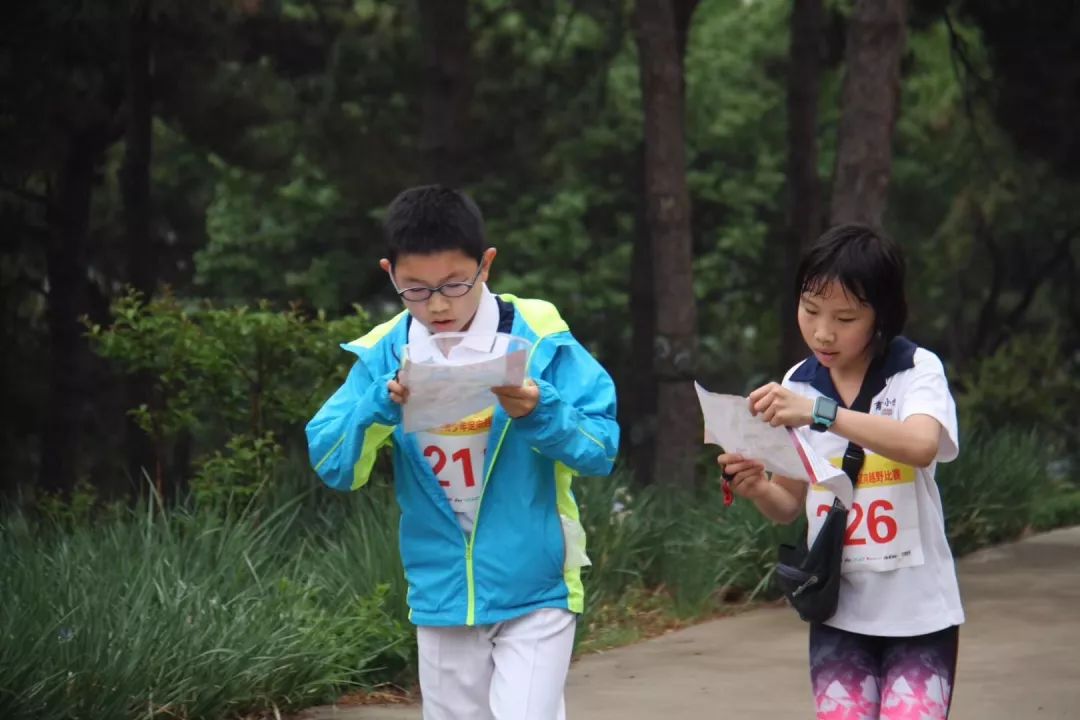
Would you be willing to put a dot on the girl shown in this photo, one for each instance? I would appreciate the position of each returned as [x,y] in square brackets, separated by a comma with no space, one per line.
[890,650]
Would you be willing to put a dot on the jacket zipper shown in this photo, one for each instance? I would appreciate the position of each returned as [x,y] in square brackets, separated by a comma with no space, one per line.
[470,539]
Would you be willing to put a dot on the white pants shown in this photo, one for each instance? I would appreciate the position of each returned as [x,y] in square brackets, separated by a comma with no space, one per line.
[513,670]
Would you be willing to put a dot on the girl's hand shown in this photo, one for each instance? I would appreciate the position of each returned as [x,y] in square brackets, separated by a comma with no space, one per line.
[398,392]
[779,406]
[746,477]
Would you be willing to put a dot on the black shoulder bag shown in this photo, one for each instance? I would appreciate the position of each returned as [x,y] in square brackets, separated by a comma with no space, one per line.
[810,577]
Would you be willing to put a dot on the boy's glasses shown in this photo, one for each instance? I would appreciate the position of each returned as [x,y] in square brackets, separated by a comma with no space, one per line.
[450,289]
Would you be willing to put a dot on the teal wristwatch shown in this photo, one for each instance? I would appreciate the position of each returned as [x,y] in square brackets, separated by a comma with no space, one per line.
[823,414]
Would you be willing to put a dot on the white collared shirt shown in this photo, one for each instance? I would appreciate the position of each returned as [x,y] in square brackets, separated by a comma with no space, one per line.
[910,600]
[456,451]
[477,340]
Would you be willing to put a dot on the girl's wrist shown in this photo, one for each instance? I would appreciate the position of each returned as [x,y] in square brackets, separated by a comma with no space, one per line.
[764,490]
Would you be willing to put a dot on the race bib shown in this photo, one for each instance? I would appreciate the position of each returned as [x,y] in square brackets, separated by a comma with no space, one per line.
[456,453]
[883,521]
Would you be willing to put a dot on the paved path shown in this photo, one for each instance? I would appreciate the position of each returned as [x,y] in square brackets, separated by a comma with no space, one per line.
[1019,654]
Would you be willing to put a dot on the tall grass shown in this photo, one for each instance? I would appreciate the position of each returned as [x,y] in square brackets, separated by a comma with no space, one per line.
[686,542]
[993,490]
[201,614]
[189,615]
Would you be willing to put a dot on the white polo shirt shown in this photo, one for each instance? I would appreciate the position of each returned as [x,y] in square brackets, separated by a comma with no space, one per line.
[456,452]
[899,578]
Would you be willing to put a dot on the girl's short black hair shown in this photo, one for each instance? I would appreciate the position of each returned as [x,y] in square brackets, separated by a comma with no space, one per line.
[868,264]
[433,218]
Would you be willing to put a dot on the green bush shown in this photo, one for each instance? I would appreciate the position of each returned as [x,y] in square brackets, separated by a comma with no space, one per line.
[238,383]
[234,477]
[1028,383]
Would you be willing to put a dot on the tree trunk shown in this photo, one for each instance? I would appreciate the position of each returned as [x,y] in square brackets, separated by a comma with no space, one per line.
[667,203]
[66,273]
[135,186]
[444,28]
[683,12]
[640,401]
[804,186]
[871,99]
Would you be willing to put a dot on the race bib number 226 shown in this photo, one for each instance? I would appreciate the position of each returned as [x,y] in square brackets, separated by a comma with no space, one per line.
[883,521]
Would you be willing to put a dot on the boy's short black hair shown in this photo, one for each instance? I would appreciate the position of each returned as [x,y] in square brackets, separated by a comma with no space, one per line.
[868,264]
[433,218]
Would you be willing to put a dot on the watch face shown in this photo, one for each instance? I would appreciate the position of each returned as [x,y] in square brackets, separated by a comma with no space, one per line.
[825,408]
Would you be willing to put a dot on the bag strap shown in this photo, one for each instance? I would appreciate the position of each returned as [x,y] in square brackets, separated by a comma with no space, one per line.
[872,384]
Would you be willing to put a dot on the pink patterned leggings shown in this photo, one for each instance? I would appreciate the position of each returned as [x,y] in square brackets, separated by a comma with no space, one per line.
[862,677]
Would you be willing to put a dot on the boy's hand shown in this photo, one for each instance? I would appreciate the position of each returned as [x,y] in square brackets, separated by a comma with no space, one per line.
[779,406]
[746,477]
[518,401]
[398,392]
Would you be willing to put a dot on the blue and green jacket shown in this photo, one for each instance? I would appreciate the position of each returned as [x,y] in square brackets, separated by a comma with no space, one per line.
[513,561]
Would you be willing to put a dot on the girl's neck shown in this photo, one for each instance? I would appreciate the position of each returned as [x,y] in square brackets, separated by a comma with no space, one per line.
[848,380]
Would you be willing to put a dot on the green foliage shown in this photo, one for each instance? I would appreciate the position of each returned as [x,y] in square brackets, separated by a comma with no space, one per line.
[280,128]
[1026,384]
[688,543]
[559,195]
[79,508]
[324,128]
[576,210]
[278,242]
[989,233]
[302,596]
[235,476]
[991,491]
[239,381]
[1060,509]
[196,616]
[736,124]
[622,536]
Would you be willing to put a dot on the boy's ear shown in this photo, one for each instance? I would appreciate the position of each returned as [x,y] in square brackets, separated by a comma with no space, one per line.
[385,265]
[489,258]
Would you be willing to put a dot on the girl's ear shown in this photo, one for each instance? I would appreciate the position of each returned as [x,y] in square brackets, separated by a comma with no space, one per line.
[878,342]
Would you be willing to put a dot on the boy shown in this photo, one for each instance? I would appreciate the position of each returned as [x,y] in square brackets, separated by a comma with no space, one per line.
[490,536]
